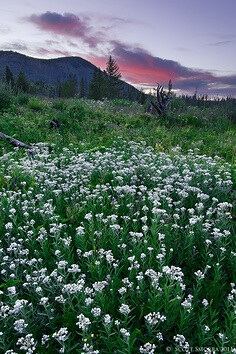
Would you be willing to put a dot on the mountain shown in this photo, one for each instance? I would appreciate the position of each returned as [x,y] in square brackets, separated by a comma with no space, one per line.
[49,70]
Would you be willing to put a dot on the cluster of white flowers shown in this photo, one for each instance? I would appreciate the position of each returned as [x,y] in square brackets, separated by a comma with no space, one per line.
[107,320]
[125,333]
[20,325]
[88,349]
[187,303]
[154,318]
[61,335]
[83,322]
[147,348]
[27,343]
[80,243]
[96,311]
[124,309]
[182,343]
[199,274]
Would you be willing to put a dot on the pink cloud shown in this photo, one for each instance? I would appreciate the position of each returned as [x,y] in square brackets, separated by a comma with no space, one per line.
[140,67]
[66,25]
[137,65]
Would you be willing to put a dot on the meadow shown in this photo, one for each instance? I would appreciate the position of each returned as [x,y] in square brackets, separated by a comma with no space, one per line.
[117,229]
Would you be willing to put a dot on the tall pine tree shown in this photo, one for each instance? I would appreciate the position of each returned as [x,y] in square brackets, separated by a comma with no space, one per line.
[69,87]
[82,88]
[22,83]
[97,84]
[9,76]
[113,85]
[58,87]
[170,87]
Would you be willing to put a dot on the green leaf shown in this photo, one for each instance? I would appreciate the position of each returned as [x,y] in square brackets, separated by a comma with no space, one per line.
[10,282]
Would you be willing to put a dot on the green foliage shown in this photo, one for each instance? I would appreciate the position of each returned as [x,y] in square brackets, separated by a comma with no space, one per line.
[210,130]
[9,77]
[59,104]
[23,98]
[7,96]
[35,104]
[22,83]
[58,87]
[170,87]
[77,112]
[177,103]
[112,68]
[233,116]
[169,197]
[142,98]
[97,85]
[138,242]
[5,100]
[82,93]
[69,87]
[113,85]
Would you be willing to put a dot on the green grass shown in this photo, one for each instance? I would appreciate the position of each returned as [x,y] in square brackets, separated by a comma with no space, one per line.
[99,123]
[117,231]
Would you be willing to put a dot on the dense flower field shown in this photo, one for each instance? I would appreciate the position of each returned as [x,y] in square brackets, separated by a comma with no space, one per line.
[116,250]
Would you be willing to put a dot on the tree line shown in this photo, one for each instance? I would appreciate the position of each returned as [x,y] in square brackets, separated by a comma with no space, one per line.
[67,88]
[103,84]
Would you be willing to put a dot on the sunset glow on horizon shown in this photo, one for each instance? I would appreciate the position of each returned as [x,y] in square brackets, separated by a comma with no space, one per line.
[151,42]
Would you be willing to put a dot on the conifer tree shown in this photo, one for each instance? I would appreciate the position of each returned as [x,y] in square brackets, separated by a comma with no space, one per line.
[93,85]
[169,87]
[113,75]
[131,93]
[69,87]
[142,97]
[9,76]
[96,86]
[22,83]
[73,84]
[82,88]
[58,87]
[65,89]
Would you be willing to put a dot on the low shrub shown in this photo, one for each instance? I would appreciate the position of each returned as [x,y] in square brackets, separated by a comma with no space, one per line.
[233,117]
[177,103]
[59,104]
[23,99]
[6,96]
[35,104]
[77,112]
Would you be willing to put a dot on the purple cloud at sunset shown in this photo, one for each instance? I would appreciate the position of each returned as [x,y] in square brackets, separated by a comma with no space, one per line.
[191,43]
[137,65]
[140,67]
[65,25]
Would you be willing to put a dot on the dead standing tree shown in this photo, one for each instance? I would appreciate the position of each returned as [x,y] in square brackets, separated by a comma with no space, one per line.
[163,100]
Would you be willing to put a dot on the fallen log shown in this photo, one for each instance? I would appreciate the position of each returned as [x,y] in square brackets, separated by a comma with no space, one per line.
[15,142]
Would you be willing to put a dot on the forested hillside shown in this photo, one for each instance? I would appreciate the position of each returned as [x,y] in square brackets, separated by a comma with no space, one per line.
[46,76]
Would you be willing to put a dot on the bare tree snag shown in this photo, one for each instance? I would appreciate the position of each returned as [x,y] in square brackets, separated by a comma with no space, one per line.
[15,142]
[55,123]
[163,100]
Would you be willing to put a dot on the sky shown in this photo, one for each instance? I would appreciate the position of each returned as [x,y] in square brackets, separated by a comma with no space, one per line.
[191,42]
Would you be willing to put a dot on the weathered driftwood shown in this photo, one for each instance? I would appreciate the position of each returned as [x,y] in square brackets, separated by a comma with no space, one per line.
[163,99]
[15,142]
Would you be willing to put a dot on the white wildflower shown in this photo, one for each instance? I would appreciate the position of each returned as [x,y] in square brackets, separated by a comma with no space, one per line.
[124,309]
[83,322]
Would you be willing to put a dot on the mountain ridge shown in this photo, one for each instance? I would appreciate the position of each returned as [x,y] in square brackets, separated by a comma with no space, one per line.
[50,70]
[47,70]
